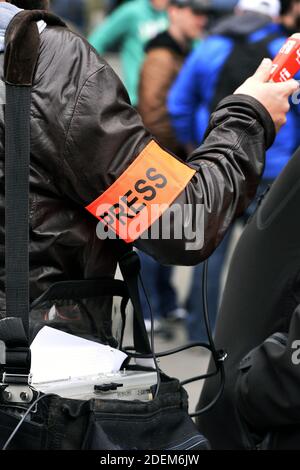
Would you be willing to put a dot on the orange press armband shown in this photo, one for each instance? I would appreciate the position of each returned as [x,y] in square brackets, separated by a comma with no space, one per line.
[142,193]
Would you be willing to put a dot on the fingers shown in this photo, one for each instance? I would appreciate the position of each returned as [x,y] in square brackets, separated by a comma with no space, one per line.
[263,72]
[287,88]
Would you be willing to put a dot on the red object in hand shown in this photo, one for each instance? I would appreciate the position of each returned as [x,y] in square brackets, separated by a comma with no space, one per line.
[287,63]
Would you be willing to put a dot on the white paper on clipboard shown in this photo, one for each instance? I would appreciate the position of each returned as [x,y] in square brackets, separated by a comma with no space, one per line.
[57,355]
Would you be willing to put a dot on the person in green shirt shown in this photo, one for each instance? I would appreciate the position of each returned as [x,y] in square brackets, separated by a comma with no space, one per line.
[131,26]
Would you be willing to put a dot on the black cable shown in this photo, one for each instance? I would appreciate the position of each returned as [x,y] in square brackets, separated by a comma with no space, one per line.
[216,399]
[152,340]
[206,312]
[218,356]
[123,317]
[199,378]
[13,434]
[171,352]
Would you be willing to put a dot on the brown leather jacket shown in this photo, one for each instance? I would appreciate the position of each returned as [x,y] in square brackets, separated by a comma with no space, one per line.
[85,134]
[162,64]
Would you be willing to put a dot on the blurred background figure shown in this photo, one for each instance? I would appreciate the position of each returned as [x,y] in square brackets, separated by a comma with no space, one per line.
[214,70]
[224,6]
[165,55]
[111,5]
[129,28]
[290,16]
[73,12]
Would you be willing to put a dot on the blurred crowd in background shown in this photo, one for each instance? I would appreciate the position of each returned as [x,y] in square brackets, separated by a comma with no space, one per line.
[85,14]
[178,59]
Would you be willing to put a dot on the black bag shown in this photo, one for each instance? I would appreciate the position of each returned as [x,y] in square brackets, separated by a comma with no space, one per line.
[52,422]
[62,424]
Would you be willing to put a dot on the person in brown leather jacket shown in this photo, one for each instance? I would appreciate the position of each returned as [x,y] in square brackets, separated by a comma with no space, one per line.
[92,156]
[165,55]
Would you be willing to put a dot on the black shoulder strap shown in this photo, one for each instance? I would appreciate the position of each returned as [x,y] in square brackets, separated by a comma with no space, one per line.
[17,153]
[130,266]
[21,54]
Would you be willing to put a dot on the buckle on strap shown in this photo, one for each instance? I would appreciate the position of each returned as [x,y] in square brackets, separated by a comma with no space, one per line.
[15,362]
[15,389]
[15,377]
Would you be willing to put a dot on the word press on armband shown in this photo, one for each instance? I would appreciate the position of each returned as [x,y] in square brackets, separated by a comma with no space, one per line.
[141,195]
[287,63]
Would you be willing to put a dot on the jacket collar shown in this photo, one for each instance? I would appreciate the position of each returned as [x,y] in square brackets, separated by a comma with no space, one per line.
[22,43]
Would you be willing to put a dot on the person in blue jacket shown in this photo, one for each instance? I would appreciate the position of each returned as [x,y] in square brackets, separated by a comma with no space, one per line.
[193,93]
[215,67]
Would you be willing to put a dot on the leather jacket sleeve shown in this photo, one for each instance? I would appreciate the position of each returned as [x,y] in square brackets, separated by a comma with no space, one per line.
[106,135]
[267,387]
